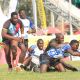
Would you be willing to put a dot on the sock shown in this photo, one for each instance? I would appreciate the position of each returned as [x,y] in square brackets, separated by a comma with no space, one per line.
[10,65]
[14,58]
[28,67]
[74,69]
[19,64]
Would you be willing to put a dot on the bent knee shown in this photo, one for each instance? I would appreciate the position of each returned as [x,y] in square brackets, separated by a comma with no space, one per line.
[14,50]
[43,68]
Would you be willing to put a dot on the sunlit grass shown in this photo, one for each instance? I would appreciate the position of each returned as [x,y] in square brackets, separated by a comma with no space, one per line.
[29,75]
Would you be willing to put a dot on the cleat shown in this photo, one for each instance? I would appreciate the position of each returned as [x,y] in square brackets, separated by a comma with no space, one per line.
[26,69]
[78,69]
[10,69]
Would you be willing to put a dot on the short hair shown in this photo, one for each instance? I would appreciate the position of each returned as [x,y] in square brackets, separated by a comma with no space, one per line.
[21,10]
[74,41]
[39,40]
[13,13]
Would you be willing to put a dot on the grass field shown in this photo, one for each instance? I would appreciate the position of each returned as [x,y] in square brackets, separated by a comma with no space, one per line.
[29,75]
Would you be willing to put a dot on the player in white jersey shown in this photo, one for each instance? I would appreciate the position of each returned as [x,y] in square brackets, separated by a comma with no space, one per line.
[27,24]
[33,57]
[55,55]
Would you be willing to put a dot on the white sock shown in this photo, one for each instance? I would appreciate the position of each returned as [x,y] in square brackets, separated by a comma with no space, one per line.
[28,67]
[19,64]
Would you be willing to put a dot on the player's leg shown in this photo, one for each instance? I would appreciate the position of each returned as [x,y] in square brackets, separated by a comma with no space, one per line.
[23,53]
[68,66]
[43,68]
[26,45]
[57,64]
[60,67]
[14,51]
[26,63]
[44,62]
[21,57]
[8,57]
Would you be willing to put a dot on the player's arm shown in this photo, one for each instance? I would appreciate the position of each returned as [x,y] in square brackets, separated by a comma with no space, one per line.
[22,32]
[2,44]
[57,46]
[73,53]
[30,50]
[68,66]
[47,48]
[5,35]
[33,30]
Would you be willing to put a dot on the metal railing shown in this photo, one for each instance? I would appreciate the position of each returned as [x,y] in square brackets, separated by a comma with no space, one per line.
[62,6]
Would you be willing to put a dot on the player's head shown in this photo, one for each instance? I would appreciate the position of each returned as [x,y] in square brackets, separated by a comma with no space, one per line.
[59,37]
[40,44]
[14,18]
[22,14]
[74,45]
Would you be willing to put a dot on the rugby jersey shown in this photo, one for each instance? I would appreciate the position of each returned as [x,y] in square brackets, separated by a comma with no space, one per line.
[59,53]
[27,23]
[12,29]
[35,54]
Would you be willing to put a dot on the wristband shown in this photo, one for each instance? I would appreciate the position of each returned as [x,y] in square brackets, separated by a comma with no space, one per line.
[22,34]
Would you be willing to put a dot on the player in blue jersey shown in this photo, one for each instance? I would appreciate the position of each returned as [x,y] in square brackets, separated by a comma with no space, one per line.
[54,53]
[27,24]
[33,56]
[9,37]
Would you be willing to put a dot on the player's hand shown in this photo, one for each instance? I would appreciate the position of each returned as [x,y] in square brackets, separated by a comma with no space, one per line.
[22,39]
[18,39]
[30,50]
[3,45]
[28,32]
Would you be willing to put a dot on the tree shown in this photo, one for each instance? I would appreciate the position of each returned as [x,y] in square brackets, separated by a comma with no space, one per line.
[28,7]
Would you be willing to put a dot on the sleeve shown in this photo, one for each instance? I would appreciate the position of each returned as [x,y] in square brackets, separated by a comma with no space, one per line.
[31,23]
[6,25]
[66,47]
[78,50]
[33,47]
[49,45]
[21,23]
[52,42]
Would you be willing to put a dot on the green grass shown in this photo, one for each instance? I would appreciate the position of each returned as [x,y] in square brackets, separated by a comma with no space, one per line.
[29,75]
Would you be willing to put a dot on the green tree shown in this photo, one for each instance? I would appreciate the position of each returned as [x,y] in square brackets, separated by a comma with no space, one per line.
[28,7]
